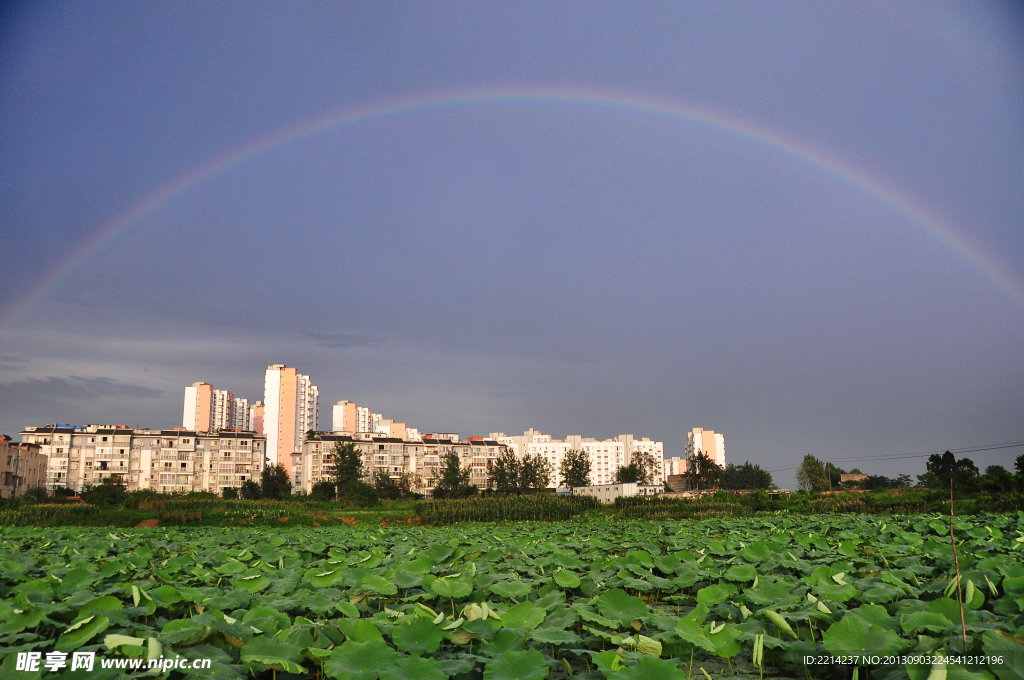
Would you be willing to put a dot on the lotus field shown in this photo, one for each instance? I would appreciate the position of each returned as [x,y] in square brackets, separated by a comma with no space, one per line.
[767,596]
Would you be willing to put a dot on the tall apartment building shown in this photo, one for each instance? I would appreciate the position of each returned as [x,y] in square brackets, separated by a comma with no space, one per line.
[363,419]
[198,412]
[256,418]
[23,466]
[345,417]
[240,415]
[168,461]
[606,456]
[709,442]
[208,409]
[223,411]
[291,405]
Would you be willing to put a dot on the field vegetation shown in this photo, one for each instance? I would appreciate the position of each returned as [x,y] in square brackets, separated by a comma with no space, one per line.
[583,599]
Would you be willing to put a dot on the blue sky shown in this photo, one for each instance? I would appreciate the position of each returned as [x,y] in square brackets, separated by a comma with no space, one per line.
[498,265]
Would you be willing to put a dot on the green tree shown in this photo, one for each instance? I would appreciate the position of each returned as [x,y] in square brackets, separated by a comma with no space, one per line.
[945,468]
[111,492]
[575,468]
[274,483]
[628,474]
[250,490]
[811,474]
[504,472]
[386,487]
[746,476]
[646,467]
[454,479]
[325,489]
[347,466]
[408,483]
[534,473]
[230,493]
[1018,465]
[702,472]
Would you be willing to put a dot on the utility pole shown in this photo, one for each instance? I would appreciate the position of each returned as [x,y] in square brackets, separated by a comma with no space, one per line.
[829,475]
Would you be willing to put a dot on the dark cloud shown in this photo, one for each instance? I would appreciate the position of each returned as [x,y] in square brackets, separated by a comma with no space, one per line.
[344,340]
[72,389]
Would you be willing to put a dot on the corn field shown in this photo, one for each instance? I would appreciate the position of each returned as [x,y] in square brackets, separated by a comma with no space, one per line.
[505,509]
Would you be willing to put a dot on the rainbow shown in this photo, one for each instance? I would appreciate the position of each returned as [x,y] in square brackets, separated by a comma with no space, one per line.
[613,101]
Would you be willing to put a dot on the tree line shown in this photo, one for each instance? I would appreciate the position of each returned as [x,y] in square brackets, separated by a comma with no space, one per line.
[940,472]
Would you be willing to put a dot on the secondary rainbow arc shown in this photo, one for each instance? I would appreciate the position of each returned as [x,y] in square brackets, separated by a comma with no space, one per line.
[305,130]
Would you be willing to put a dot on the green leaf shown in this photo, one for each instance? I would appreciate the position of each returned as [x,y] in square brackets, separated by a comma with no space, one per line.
[852,635]
[274,654]
[619,606]
[359,631]
[650,668]
[231,568]
[514,590]
[715,594]
[80,633]
[525,616]
[380,585]
[931,622]
[567,579]
[183,632]
[113,641]
[757,552]
[252,584]
[527,665]
[30,618]
[107,603]
[740,572]
[413,668]
[452,587]
[1008,646]
[691,632]
[726,641]
[767,593]
[554,636]
[360,660]
[609,663]
[165,596]
[417,636]
[326,578]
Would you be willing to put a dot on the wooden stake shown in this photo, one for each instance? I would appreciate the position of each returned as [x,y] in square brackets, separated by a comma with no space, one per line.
[956,561]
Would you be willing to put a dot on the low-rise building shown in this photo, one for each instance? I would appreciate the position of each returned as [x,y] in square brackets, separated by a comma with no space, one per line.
[607,493]
[606,456]
[394,456]
[168,461]
[22,467]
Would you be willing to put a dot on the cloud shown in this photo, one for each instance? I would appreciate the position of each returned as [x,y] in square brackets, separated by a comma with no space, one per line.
[344,340]
[75,388]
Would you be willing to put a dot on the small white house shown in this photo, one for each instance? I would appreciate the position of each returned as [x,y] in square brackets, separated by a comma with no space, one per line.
[607,493]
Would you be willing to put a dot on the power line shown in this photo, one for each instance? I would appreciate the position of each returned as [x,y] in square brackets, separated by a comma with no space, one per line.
[923,454]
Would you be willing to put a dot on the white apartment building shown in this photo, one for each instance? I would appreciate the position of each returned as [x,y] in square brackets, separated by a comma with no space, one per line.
[168,461]
[709,442]
[223,410]
[606,456]
[291,404]
[240,419]
[208,410]
[363,423]
[392,455]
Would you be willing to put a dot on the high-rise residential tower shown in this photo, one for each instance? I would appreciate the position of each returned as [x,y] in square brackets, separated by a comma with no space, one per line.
[223,411]
[291,406]
[198,415]
[708,442]
[256,417]
[345,417]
